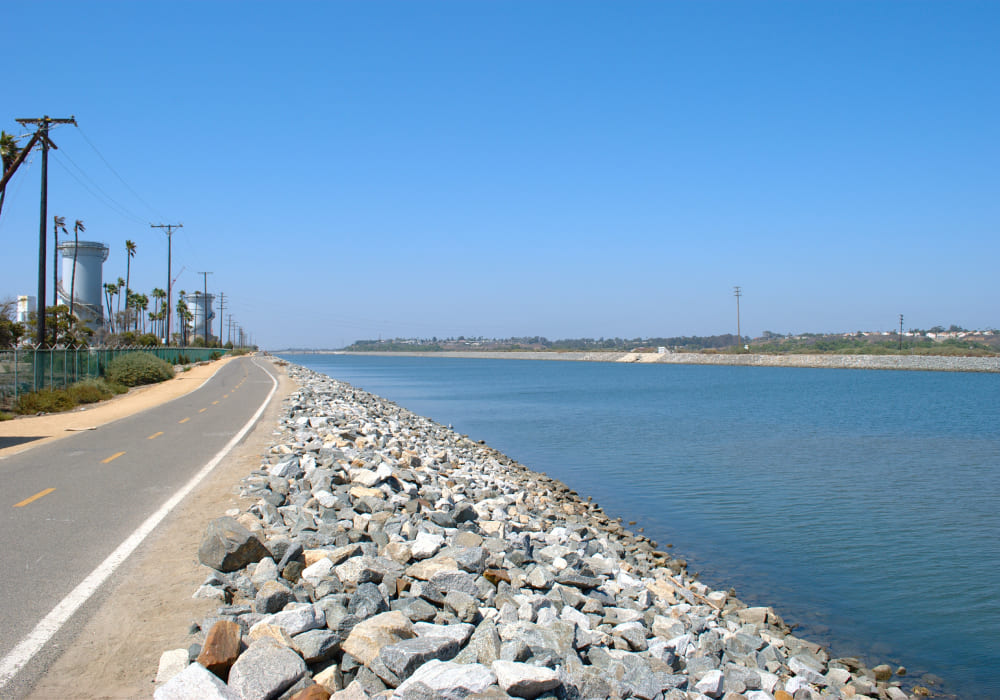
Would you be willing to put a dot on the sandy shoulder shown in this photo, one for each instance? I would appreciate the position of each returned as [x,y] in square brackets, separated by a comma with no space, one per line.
[147,607]
[24,432]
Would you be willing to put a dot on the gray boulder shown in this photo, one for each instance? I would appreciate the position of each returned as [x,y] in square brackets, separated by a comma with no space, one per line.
[265,670]
[228,546]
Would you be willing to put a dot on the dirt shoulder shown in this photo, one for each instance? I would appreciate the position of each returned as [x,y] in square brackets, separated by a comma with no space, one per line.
[147,607]
[24,432]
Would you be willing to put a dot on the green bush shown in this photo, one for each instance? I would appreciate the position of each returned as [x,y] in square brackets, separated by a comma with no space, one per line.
[44,401]
[94,390]
[137,368]
[6,416]
[215,355]
[148,340]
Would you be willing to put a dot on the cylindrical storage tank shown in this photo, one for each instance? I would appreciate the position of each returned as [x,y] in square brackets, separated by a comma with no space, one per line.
[198,305]
[88,287]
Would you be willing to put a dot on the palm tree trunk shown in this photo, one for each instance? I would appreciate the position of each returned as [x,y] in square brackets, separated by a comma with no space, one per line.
[72,283]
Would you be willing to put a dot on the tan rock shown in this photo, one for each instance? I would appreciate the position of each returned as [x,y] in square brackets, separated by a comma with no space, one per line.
[266,631]
[662,590]
[365,492]
[424,570]
[400,552]
[369,636]
[782,695]
[221,648]
[330,678]
[313,692]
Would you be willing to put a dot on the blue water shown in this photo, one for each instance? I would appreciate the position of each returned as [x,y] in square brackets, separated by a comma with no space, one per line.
[861,504]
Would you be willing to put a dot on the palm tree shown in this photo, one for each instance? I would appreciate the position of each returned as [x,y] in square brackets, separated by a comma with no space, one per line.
[58,223]
[110,289]
[129,254]
[9,150]
[121,286]
[183,316]
[159,295]
[77,227]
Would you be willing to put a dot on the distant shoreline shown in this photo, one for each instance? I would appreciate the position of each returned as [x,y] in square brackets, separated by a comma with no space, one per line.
[918,363]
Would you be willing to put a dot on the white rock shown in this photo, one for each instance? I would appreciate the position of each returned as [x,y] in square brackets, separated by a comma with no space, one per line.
[711,684]
[171,663]
[524,680]
[427,545]
[317,571]
[195,681]
[448,680]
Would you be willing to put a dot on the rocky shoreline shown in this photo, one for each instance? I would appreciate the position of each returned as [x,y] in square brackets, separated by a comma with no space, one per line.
[386,556]
[919,363]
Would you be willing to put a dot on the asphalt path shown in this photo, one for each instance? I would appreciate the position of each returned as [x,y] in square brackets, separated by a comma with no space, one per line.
[70,504]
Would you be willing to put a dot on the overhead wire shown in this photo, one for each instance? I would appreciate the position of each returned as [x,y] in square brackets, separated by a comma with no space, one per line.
[107,200]
[120,178]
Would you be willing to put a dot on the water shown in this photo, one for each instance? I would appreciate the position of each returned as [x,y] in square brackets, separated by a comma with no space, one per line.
[861,504]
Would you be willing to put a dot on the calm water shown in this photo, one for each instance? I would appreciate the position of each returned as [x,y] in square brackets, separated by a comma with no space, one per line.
[861,504]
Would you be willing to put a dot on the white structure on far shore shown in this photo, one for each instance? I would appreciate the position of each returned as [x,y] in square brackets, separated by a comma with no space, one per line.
[199,305]
[88,286]
[25,307]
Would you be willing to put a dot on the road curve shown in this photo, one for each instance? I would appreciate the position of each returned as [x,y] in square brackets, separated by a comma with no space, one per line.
[75,508]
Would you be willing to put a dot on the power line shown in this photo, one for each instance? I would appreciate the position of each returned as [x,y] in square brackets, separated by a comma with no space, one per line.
[105,198]
[120,178]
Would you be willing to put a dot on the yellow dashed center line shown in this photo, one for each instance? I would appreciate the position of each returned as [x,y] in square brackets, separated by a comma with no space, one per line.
[34,498]
[214,403]
[183,420]
[202,410]
[155,435]
[112,458]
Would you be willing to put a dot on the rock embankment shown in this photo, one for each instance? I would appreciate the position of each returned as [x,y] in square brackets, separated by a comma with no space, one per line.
[926,363]
[386,556]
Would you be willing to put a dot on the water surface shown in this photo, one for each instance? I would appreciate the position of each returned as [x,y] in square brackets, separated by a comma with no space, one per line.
[861,504]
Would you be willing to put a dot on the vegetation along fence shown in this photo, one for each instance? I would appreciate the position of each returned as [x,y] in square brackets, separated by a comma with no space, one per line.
[24,370]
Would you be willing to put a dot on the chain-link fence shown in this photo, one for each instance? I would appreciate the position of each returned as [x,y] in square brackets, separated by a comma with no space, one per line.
[24,370]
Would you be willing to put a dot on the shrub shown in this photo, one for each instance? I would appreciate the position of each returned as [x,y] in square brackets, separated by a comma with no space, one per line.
[137,368]
[6,416]
[215,355]
[44,401]
[94,390]
[148,340]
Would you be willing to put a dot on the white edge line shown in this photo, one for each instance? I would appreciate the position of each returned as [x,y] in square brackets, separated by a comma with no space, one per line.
[21,654]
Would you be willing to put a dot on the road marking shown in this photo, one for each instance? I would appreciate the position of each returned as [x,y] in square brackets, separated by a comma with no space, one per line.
[21,654]
[34,498]
[202,410]
[155,435]
[112,458]
[225,396]
[214,403]
[183,420]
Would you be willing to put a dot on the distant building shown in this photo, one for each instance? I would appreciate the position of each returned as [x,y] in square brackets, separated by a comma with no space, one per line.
[26,306]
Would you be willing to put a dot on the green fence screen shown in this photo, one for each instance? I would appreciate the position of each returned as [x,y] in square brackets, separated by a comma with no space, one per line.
[24,370]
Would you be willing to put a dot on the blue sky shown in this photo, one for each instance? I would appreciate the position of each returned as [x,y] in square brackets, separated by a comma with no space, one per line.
[361,169]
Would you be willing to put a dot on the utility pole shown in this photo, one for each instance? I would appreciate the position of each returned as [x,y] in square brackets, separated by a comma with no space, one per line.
[170,229]
[204,304]
[222,305]
[901,332]
[42,134]
[738,292]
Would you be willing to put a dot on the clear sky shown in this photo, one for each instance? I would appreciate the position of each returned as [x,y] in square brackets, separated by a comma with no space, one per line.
[353,170]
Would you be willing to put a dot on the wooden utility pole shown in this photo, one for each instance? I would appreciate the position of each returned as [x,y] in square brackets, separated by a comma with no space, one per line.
[222,305]
[204,304]
[42,135]
[170,229]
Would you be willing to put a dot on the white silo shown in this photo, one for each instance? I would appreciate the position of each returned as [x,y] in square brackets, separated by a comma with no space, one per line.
[200,304]
[88,286]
